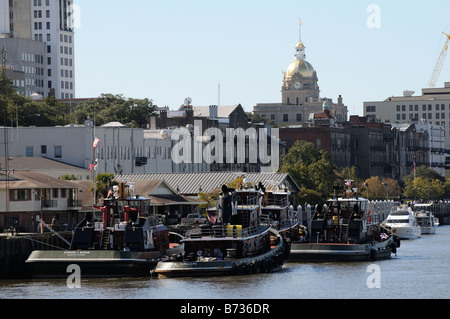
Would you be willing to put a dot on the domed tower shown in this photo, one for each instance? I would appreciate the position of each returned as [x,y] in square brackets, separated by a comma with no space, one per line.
[300,80]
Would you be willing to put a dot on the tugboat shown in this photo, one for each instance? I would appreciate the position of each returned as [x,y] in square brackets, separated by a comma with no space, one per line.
[345,230]
[126,241]
[237,243]
[276,206]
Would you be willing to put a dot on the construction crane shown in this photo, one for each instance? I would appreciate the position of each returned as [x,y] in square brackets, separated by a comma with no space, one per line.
[440,62]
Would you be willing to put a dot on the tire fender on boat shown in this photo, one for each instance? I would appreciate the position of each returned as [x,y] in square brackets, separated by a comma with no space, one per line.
[373,254]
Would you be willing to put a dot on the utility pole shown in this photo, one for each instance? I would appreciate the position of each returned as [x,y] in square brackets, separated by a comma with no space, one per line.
[5,135]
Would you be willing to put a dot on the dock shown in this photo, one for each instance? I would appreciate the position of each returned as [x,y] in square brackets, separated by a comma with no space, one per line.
[15,249]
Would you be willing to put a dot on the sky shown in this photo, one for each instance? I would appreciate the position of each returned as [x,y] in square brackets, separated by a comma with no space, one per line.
[166,51]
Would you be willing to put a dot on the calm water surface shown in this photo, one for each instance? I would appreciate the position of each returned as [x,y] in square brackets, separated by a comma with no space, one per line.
[421,270]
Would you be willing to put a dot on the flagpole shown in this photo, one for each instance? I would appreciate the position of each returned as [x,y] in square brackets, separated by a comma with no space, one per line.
[300,30]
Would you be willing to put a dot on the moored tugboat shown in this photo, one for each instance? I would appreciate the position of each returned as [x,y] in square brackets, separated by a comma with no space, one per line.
[236,244]
[276,206]
[125,241]
[345,230]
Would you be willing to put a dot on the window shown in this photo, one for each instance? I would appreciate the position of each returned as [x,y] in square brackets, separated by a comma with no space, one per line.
[437,107]
[371,108]
[299,117]
[21,194]
[58,151]
[43,149]
[319,143]
[398,108]
[29,151]
[55,192]
[285,117]
[272,117]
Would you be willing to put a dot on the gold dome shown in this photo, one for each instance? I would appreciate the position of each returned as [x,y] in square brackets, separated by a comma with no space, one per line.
[301,67]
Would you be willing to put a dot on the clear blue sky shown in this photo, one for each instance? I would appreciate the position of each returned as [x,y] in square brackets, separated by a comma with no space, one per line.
[169,50]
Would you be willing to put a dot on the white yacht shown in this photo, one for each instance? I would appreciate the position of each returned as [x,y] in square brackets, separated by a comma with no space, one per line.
[425,218]
[403,223]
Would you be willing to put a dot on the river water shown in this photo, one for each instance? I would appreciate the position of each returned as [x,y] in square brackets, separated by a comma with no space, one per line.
[421,270]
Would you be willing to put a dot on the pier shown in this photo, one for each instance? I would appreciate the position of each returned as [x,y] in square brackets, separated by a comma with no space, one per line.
[15,249]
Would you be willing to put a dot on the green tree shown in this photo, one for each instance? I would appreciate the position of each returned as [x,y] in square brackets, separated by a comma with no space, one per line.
[108,108]
[103,183]
[424,172]
[377,188]
[311,170]
[424,188]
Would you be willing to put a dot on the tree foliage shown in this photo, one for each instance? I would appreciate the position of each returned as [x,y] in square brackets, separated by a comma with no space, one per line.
[311,170]
[110,108]
[23,111]
[424,188]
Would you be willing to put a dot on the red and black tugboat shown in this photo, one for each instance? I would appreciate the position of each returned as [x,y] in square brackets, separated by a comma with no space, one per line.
[235,242]
[124,241]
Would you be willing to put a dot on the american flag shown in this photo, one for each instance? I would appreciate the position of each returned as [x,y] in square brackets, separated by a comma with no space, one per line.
[211,218]
[94,145]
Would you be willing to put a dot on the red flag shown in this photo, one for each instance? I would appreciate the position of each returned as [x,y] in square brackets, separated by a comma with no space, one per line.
[301,22]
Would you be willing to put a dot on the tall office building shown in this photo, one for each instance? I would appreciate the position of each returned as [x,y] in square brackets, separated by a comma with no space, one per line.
[40,32]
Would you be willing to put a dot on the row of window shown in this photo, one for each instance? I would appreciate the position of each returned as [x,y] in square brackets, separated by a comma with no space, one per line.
[285,117]
[65,50]
[427,116]
[38,14]
[34,58]
[38,3]
[38,25]
[66,85]
[411,107]
[66,73]
[123,152]
[57,151]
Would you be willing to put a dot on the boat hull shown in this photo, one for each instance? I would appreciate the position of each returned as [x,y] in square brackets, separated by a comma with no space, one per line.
[92,263]
[429,230]
[270,261]
[312,252]
[413,232]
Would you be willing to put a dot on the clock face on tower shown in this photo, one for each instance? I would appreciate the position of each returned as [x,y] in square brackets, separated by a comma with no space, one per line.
[297,85]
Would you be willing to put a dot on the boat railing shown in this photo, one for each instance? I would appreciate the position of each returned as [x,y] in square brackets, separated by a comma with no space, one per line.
[222,231]
[282,202]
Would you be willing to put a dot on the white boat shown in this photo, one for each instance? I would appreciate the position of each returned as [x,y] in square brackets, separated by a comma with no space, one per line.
[425,218]
[403,223]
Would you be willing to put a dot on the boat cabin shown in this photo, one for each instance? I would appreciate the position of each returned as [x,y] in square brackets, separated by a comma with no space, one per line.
[124,223]
[237,233]
[343,220]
